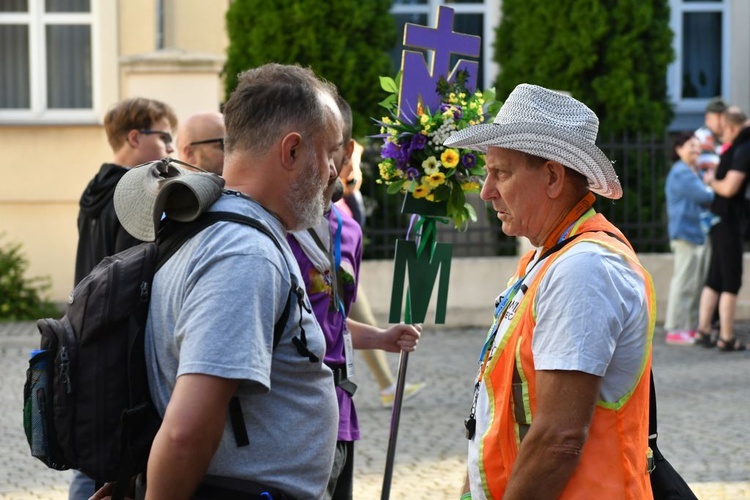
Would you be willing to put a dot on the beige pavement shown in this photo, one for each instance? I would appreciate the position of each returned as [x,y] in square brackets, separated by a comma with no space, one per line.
[702,403]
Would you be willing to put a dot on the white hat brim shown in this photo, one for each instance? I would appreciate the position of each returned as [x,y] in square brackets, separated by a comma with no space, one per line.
[549,142]
[147,192]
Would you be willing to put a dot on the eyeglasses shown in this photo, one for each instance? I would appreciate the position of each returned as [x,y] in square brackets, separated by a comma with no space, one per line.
[209,141]
[165,137]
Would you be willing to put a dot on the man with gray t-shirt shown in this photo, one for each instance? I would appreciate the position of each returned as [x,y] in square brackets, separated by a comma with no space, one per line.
[214,305]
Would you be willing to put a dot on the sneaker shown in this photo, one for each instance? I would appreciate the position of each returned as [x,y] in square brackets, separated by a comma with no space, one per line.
[410,390]
[680,337]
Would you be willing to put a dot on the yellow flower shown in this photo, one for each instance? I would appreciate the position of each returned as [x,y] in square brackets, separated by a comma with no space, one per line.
[386,170]
[421,191]
[387,120]
[424,118]
[430,197]
[470,187]
[435,179]
[420,108]
[431,165]
[449,158]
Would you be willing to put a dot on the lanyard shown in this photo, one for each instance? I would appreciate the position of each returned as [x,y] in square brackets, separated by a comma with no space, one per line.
[334,256]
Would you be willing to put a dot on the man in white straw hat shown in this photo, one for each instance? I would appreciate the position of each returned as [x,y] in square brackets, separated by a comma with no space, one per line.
[214,305]
[560,405]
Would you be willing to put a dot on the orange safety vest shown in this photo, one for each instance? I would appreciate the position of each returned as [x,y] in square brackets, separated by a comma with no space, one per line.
[613,463]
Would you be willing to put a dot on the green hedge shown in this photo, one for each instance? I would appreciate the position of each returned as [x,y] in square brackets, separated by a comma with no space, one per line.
[344,41]
[610,54]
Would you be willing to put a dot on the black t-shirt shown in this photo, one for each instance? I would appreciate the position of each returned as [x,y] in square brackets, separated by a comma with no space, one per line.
[732,210]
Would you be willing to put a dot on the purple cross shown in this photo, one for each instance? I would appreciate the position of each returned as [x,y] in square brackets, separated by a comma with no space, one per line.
[418,80]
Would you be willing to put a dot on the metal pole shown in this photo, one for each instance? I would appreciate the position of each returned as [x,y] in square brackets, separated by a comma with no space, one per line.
[395,416]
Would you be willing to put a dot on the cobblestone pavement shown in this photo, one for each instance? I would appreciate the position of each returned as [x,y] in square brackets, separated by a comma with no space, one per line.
[703,396]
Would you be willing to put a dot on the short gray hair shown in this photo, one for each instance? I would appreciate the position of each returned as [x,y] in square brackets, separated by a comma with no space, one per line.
[272,100]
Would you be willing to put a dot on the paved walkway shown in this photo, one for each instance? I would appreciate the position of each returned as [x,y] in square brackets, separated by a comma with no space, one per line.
[703,400]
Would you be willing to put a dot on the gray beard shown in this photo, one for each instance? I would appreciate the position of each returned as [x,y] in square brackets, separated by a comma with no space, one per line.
[305,196]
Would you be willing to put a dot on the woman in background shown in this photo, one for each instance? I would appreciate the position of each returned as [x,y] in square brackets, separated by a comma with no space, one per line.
[689,221]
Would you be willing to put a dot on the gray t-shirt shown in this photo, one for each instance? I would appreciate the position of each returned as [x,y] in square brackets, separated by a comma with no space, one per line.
[213,309]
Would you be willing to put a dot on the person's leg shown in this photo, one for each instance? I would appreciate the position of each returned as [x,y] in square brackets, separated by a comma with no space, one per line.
[681,287]
[378,365]
[375,359]
[709,300]
[704,258]
[345,485]
[341,483]
[81,487]
[727,307]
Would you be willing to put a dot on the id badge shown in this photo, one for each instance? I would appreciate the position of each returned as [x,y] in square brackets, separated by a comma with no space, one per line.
[349,353]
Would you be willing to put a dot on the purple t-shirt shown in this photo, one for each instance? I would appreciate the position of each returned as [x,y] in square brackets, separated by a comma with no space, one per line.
[320,291]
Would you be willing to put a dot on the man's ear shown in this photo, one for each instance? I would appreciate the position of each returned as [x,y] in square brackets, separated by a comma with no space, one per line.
[133,138]
[291,149]
[187,154]
[349,149]
[555,173]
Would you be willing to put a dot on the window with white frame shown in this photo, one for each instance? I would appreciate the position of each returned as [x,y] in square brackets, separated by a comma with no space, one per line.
[471,17]
[701,43]
[46,59]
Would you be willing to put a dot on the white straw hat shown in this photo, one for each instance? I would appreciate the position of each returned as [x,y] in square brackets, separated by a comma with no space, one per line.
[550,125]
[148,191]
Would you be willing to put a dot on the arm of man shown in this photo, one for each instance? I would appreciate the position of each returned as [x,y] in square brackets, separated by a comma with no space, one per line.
[552,448]
[729,185]
[189,435]
[400,337]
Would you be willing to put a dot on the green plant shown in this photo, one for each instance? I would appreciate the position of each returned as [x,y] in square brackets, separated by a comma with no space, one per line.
[344,41]
[21,298]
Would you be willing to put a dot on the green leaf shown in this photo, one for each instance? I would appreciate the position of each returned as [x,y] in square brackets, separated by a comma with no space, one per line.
[493,108]
[388,84]
[472,212]
[389,102]
[396,186]
[476,171]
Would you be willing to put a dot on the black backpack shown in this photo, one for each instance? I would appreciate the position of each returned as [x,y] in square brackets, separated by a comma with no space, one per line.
[87,404]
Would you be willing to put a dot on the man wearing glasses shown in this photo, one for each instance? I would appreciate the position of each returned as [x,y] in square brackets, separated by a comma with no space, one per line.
[139,130]
[200,141]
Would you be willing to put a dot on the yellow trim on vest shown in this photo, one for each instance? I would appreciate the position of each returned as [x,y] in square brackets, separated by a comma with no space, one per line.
[525,399]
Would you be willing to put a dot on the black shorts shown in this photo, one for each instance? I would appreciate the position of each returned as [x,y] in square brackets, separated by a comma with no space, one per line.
[725,270]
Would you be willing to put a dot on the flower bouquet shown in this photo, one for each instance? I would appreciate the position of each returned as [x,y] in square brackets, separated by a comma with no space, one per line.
[414,160]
